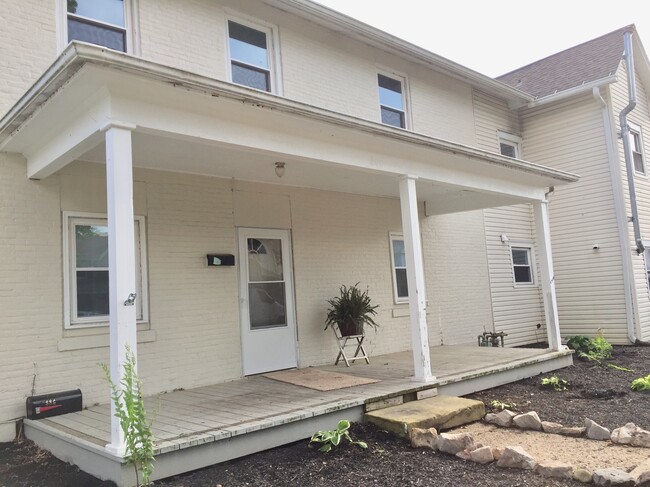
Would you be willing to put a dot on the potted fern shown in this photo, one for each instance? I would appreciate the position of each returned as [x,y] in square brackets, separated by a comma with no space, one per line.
[351,310]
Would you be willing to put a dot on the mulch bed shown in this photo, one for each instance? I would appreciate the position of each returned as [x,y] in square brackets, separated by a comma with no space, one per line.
[600,393]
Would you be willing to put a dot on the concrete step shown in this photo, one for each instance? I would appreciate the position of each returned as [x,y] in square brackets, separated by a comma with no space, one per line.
[440,412]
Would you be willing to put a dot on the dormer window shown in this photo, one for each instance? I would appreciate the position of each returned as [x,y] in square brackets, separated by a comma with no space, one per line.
[509,145]
[101,22]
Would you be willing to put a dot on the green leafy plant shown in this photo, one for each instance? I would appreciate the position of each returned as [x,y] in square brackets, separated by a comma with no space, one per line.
[599,350]
[351,310]
[618,367]
[129,408]
[556,383]
[641,384]
[332,438]
[501,405]
[579,343]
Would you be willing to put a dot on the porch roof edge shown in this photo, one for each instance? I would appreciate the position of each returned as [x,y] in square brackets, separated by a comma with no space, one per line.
[78,54]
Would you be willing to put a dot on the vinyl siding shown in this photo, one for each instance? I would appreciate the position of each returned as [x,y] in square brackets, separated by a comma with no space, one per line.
[517,310]
[570,136]
[640,116]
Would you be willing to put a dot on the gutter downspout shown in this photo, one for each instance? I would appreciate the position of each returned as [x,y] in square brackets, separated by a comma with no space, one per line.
[625,135]
[621,216]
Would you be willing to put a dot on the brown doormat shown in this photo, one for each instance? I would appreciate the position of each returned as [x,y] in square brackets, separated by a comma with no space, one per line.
[319,380]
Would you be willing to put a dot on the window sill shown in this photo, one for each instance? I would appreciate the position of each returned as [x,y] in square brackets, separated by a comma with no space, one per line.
[99,341]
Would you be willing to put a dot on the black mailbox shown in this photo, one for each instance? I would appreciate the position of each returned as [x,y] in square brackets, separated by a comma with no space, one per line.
[53,404]
[221,260]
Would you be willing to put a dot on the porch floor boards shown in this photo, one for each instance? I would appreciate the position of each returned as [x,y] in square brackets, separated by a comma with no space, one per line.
[186,418]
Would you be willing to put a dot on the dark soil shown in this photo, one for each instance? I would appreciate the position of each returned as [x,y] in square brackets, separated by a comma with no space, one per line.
[600,393]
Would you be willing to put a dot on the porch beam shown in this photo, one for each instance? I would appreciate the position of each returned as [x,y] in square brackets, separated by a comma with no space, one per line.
[543,234]
[121,261]
[415,277]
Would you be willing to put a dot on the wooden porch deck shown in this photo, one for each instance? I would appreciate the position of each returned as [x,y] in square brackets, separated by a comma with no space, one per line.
[199,427]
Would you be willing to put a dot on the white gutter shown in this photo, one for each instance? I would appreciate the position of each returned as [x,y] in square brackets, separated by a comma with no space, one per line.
[621,215]
[78,54]
[577,90]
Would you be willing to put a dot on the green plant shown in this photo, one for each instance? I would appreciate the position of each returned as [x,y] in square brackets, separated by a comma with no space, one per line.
[351,310]
[129,408]
[556,383]
[579,343]
[641,384]
[618,367]
[599,350]
[501,405]
[332,438]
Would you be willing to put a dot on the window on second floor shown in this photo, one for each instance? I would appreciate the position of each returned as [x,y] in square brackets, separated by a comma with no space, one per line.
[636,142]
[250,56]
[509,145]
[392,101]
[101,22]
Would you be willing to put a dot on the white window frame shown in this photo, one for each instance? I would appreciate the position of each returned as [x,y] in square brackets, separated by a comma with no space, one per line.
[397,299]
[646,259]
[512,140]
[273,48]
[533,265]
[636,130]
[403,79]
[71,321]
[131,9]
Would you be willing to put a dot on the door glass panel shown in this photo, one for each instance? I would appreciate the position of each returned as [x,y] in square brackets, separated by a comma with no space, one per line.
[264,260]
[267,307]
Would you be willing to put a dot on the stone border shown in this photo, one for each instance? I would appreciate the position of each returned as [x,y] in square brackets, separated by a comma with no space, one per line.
[462,445]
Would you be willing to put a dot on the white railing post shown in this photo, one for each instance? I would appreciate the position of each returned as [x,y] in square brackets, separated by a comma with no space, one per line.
[121,261]
[543,235]
[415,277]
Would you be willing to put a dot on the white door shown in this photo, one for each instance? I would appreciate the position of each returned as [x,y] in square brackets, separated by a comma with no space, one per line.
[266,296]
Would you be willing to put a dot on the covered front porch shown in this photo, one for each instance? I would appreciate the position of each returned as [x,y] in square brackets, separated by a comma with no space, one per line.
[198,427]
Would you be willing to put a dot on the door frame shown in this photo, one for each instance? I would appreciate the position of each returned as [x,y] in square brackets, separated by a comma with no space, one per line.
[243,233]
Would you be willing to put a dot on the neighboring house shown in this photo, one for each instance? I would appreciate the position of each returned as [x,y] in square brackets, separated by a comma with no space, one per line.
[574,124]
[306,144]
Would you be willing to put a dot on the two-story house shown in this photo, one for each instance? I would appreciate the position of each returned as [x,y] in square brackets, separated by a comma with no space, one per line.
[138,137]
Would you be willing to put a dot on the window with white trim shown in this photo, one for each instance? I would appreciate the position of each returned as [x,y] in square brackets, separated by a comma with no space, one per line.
[101,22]
[646,256]
[392,102]
[86,273]
[250,48]
[522,264]
[509,145]
[636,143]
[398,261]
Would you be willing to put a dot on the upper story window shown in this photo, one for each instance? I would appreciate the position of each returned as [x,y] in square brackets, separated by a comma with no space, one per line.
[636,143]
[392,101]
[251,56]
[509,145]
[398,260]
[101,22]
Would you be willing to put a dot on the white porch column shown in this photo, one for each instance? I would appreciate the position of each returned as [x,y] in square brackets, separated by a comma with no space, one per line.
[543,235]
[415,276]
[121,260]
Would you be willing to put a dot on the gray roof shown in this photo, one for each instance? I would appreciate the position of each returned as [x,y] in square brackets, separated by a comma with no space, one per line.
[576,66]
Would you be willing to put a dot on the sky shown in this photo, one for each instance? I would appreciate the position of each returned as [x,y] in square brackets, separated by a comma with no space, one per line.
[494,37]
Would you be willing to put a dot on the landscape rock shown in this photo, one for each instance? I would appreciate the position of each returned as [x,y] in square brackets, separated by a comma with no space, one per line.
[582,475]
[424,438]
[516,457]
[608,477]
[503,419]
[550,427]
[453,443]
[482,455]
[596,431]
[528,421]
[555,469]
[464,455]
[631,434]
[572,431]
[641,474]
[497,452]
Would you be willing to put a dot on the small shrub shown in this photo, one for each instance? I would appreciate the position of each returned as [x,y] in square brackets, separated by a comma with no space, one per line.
[641,384]
[332,438]
[556,383]
[594,350]
[501,405]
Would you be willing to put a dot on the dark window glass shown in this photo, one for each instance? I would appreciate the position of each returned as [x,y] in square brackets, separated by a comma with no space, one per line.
[508,150]
[92,293]
[637,153]
[519,257]
[253,78]
[522,275]
[402,283]
[96,34]
[392,117]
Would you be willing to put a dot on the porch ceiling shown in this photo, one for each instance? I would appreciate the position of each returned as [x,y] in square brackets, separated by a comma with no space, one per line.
[187,123]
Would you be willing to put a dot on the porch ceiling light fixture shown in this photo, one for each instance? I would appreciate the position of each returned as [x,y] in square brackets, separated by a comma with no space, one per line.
[279,169]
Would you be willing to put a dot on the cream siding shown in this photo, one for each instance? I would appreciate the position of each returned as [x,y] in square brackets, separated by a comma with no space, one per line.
[640,116]
[517,310]
[570,136]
